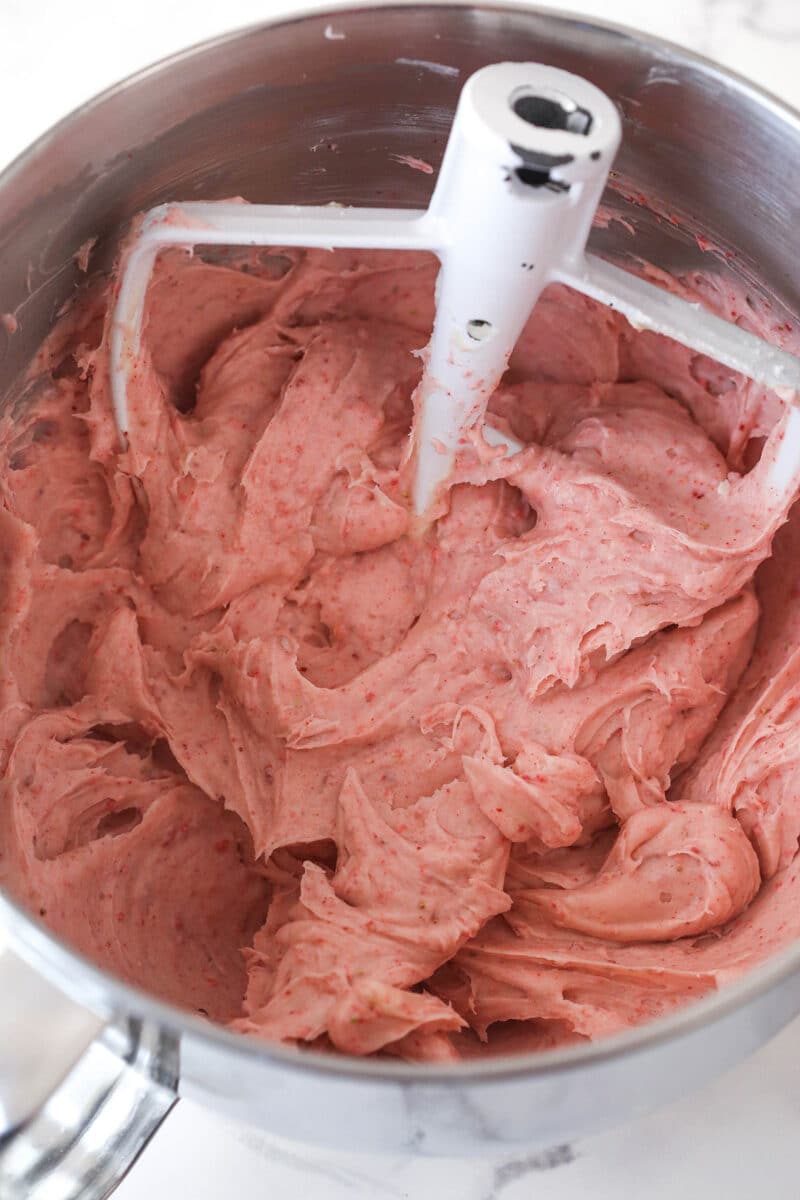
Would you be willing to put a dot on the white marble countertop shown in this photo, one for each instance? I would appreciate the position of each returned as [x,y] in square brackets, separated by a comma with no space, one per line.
[736,1138]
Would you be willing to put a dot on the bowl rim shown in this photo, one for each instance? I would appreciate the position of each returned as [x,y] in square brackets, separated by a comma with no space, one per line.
[110,996]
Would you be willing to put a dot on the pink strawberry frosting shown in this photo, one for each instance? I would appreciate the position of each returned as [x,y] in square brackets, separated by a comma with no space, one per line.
[269,750]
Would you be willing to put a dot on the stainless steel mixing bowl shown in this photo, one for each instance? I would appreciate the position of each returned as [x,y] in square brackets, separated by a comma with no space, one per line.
[89,1066]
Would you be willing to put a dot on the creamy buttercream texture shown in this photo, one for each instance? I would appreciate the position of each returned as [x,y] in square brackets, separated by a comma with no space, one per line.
[529,776]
